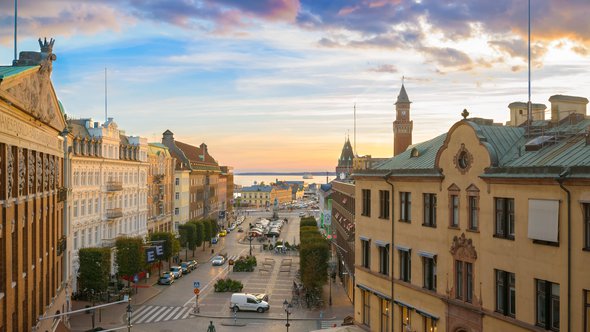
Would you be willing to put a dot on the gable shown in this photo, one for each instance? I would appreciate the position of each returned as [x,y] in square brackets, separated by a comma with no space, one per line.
[32,92]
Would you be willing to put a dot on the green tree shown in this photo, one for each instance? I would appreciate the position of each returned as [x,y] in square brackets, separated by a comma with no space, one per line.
[214,227]
[130,257]
[168,238]
[199,234]
[94,270]
[207,232]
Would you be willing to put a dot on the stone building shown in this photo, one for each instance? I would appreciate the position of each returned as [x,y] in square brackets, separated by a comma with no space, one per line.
[109,186]
[264,196]
[197,185]
[482,228]
[160,181]
[33,192]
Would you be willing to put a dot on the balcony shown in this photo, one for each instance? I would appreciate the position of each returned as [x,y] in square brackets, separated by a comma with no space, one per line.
[114,185]
[114,213]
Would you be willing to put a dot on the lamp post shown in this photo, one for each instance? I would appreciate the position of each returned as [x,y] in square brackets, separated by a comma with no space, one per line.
[250,239]
[332,266]
[288,307]
[129,314]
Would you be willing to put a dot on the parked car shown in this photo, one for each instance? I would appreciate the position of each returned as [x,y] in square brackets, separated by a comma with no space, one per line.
[222,233]
[186,268]
[166,279]
[214,240]
[193,264]
[176,271]
[240,229]
[261,297]
[218,260]
[247,302]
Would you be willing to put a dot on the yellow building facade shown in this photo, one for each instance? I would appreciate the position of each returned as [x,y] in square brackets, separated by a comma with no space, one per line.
[483,228]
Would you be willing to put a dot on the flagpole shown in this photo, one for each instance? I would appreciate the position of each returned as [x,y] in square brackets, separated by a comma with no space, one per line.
[15,21]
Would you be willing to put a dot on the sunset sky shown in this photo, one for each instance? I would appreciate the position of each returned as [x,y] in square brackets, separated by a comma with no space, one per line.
[271,84]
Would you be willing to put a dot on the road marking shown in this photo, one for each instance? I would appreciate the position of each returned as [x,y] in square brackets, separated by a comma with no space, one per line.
[143,312]
[154,314]
[172,313]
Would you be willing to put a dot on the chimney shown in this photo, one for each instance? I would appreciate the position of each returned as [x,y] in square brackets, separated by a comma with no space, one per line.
[563,106]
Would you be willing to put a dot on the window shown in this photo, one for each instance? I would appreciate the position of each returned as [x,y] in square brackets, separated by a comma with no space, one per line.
[76,240]
[429,210]
[473,213]
[405,201]
[454,207]
[384,259]
[366,298]
[547,304]
[366,252]
[177,195]
[504,217]
[366,202]
[383,204]
[405,318]
[75,208]
[384,315]
[429,324]
[586,310]
[83,208]
[505,293]
[176,211]
[429,272]
[587,225]
[405,264]
[464,281]
[177,182]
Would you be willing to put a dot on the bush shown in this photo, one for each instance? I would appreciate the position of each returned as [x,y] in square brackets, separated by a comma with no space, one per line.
[228,285]
[245,264]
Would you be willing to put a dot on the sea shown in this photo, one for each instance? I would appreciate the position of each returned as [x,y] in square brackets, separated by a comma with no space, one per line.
[249,180]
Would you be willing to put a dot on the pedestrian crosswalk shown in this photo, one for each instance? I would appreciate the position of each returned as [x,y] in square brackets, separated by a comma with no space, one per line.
[155,313]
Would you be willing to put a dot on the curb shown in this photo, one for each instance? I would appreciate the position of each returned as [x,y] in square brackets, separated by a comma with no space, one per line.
[264,318]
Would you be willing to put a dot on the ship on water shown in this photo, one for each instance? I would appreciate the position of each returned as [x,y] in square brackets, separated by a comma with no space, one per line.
[307,176]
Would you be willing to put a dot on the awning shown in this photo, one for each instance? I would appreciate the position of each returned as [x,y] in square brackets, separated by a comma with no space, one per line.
[400,303]
[381,243]
[377,293]
[426,254]
[402,248]
[426,314]
[364,238]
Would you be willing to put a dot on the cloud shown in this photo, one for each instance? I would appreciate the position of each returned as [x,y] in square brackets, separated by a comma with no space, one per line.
[386,68]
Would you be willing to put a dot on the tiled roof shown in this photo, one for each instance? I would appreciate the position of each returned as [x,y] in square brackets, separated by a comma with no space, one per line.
[257,189]
[424,157]
[501,141]
[195,154]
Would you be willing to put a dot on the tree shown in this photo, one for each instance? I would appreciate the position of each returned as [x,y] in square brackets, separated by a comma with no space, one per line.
[199,234]
[214,227]
[207,232]
[95,268]
[168,238]
[130,257]
[314,252]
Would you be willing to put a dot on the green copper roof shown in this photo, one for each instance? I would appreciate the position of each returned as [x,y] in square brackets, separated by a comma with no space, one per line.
[418,156]
[8,71]
[501,141]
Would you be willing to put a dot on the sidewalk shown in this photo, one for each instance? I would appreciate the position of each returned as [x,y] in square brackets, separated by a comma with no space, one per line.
[115,315]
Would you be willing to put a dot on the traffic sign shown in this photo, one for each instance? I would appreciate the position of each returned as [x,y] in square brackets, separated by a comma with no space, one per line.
[196,291]
[196,284]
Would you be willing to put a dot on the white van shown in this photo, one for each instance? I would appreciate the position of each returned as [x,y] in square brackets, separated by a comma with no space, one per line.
[247,302]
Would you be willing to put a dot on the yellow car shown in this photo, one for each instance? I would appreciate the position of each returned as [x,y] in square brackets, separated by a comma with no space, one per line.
[223,233]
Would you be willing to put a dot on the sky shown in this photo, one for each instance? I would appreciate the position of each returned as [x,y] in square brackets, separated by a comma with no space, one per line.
[270,85]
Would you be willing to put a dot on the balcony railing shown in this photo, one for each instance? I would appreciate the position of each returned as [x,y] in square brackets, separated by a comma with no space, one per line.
[114,185]
[114,213]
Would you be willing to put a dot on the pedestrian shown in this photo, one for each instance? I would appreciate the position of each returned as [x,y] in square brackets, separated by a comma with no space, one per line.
[211,328]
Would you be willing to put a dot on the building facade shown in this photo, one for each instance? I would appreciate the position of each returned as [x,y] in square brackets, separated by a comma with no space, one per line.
[204,183]
[109,186]
[264,196]
[483,228]
[33,193]
[160,189]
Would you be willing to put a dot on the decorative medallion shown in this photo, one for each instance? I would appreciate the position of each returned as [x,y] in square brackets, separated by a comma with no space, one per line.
[463,159]
[463,249]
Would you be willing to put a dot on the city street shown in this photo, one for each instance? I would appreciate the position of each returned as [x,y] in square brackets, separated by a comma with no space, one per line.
[172,308]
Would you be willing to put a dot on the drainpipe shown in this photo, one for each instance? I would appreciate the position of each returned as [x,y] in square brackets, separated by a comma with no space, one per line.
[386,178]
[560,180]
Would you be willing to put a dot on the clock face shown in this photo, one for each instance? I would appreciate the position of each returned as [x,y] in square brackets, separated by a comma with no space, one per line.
[342,176]
[403,114]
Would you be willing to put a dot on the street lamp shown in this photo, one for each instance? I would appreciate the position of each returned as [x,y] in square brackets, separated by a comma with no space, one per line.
[288,307]
[128,313]
[250,239]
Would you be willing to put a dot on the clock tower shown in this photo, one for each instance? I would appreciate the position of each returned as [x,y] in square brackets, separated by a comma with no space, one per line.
[402,126]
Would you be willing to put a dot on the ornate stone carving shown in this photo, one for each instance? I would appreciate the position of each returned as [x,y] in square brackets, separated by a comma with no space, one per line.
[52,172]
[9,171]
[463,249]
[21,171]
[39,171]
[46,172]
[31,171]
[57,172]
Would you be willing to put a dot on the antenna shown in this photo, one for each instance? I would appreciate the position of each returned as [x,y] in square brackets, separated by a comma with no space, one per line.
[106,118]
[15,21]
[354,152]
[529,105]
